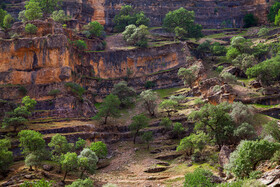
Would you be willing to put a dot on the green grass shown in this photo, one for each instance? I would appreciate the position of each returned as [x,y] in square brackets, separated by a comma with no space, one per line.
[264,106]
[247,81]
[166,92]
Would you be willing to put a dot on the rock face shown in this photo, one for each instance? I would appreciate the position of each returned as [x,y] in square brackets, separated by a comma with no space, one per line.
[209,13]
[271,178]
[224,156]
[46,62]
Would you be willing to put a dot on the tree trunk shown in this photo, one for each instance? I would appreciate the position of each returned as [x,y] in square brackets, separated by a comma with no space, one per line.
[82,174]
[64,176]
[134,139]
[105,121]
[30,168]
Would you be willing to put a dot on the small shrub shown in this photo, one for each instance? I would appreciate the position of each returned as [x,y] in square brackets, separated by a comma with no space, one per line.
[149,84]
[54,92]
[216,88]
[178,129]
[59,16]
[263,31]
[99,148]
[220,69]
[166,123]
[178,98]
[80,45]
[228,77]
[199,178]
[93,29]
[22,90]
[255,175]
[134,35]
[76,89]
[30,28]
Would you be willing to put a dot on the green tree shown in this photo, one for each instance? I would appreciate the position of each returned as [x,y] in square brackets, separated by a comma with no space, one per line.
[138,122]
[6,156]
[274,9]
[48,6]
[128,16]
[18,117]
[69,163]
[218,49]
[193,143]
[59,146]
[100,149]
[87,161]
[248,154]
[82,183]
[168,105]
[33,10]
[3,13]
[250,20]
[93,29]
[125,94]
[7,22]
[80,144]
[59,16]
[188,75]
[147,137]
[150,101]
[30,28]
[33,146]
[245,132]
[21,16]
[216,122]
[109,108]
[136,35]
[182,21]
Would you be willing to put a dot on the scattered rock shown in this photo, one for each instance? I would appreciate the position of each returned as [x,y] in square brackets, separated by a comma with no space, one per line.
[10,182]
[216,179]
[28,176]
[156,178]
[255,84]
[47,167]
[156,169]
[103,164]
[155,151]
[271,178]
[169,156]
[270,91]
[224,155]
[163,163]
[236,71]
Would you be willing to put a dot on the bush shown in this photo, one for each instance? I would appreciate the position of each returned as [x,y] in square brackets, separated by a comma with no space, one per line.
[218,49]
[247,155]
[136,35]
[199,178]
[276,157]
[244,61]
[3,13]
[178,98]
[7,22]
[99,148]
[216,88]
[228,77]
[40,183]
[76,89]
[54,92]
[150,84]
[59,16]
[81,183]
[80,45]
[266,71]
[178,129]
[6,156]
[263,31]
[250,20]
[255,175]
[232,53]
[22,90]
[30,28]
[93,29]
[166,123]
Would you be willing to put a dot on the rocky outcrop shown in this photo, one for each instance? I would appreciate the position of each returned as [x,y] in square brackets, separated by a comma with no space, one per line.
[224,156]
[209,13]
[271,178]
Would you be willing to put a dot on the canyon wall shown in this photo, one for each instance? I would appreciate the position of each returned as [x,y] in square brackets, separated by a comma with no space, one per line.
[209,13]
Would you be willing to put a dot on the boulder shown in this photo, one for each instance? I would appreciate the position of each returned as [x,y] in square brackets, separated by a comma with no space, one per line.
[224,156]
[47,167]
[236,71]
[270,91]
[155,169]
[271,178]
[255,84]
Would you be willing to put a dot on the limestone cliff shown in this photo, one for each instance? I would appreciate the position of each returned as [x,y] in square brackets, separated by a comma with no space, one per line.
[209,13]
